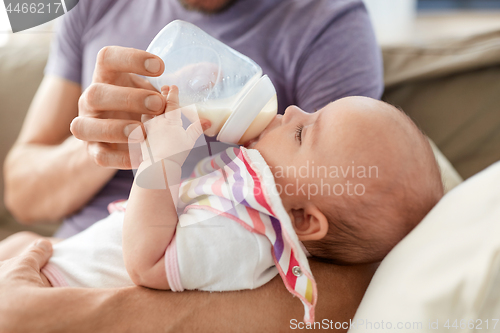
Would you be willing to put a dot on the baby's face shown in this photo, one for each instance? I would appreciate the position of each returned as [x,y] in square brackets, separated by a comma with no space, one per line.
[326,146]
[355,145]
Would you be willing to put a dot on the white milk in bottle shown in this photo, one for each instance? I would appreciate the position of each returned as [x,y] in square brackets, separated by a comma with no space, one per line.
[225,86]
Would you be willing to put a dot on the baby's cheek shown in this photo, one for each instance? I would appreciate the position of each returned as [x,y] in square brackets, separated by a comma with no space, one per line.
[288,184]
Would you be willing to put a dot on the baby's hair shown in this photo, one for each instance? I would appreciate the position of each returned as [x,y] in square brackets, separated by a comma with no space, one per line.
[394,209]
[342,244]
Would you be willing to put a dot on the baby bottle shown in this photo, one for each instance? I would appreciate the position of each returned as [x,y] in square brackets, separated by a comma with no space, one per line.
[225,86]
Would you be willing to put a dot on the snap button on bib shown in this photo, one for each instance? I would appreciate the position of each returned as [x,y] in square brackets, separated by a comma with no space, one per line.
[296,271]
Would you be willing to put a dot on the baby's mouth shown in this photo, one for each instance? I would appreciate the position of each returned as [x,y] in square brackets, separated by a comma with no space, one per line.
[251,143]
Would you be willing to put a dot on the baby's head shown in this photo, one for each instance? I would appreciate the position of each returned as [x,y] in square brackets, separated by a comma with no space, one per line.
[355,177]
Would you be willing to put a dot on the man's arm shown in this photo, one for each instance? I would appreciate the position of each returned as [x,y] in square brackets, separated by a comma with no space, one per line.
[48,173]
[25,306]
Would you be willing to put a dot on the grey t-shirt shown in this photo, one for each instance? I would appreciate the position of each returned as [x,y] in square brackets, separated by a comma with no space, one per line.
[314,51]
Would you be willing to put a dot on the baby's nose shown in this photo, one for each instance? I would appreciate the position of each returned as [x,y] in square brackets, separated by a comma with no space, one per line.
[290,113]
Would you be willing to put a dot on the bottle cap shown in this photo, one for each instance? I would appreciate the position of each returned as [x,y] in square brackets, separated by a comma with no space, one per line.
[247,109]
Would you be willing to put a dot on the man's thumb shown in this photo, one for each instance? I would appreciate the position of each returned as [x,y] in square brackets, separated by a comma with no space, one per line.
[41,251]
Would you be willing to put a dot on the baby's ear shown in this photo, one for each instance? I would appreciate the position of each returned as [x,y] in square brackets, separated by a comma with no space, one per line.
[309,223]
[172,95]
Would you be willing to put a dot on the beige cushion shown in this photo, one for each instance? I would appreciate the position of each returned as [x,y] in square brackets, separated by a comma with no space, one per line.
[448,267]
[449,175]
[451,90]
[440,58]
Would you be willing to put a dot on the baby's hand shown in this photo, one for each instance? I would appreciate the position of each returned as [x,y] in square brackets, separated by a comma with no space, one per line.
[172,96]
[166,138]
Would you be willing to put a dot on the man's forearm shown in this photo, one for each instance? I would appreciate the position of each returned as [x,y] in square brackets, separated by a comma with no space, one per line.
[134,309]
[45,182]
[269,308]
[33,315]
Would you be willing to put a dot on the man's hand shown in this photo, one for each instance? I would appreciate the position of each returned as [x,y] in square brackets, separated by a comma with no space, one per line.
[111,107]
[24,270]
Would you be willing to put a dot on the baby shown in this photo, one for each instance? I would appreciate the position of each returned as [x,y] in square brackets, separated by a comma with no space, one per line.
[250,214]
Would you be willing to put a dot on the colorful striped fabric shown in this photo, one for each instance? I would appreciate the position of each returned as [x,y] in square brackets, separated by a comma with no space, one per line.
[238,184]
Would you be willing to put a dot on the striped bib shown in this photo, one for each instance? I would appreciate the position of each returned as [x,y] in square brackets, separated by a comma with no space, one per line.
[239,185]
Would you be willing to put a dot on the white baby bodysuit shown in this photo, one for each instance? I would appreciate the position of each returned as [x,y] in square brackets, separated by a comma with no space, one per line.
[212,253]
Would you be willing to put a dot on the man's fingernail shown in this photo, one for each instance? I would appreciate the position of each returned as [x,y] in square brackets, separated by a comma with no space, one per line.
[133,133]
[152,65]
[153,103]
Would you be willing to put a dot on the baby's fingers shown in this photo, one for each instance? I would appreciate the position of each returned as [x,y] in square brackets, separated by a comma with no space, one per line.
[172,96]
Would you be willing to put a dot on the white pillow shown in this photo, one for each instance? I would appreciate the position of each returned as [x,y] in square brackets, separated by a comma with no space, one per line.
[446,269]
